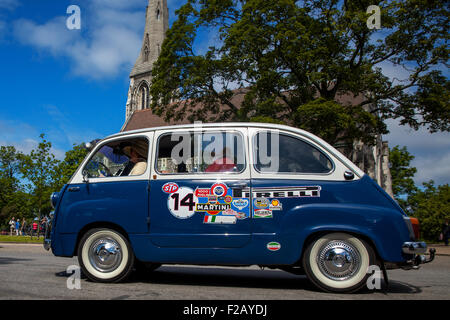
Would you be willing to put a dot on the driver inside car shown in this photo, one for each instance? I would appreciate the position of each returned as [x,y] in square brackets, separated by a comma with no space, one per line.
[137,164]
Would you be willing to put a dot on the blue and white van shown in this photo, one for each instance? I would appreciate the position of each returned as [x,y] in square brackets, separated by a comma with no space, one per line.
[234,194]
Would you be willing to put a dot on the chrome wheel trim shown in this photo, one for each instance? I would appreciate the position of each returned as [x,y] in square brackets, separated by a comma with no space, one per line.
[105,254]
[356,279]
[338,260]
[85,251]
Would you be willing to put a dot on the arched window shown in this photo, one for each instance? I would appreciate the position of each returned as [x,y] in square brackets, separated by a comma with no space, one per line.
[143,96]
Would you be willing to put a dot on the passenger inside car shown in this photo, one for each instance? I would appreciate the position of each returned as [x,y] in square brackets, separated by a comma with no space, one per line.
[222,162]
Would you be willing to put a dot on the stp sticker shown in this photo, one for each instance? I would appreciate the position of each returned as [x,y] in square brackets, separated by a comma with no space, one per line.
[170,187]
[273,246]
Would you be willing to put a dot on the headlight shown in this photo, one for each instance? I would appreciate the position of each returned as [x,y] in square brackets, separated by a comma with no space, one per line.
[54,199]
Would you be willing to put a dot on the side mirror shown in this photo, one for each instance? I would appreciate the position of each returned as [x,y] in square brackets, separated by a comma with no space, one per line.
[348,175]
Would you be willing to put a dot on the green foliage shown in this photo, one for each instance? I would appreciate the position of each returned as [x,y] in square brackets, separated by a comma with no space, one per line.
[67,168]
[291,60]
[27,180]
[39,168]
[402,175]
[430,204]
[432,207]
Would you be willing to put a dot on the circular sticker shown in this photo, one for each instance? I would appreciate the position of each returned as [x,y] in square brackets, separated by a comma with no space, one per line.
[273,246]
[182,203]
[219,189]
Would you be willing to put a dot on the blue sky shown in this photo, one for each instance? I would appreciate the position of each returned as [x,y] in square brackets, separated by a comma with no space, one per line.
[72,84]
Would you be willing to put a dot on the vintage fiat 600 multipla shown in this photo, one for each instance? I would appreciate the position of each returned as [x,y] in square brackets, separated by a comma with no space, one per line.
[234,194]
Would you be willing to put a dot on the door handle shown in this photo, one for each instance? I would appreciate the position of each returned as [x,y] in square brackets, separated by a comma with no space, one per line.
[239,185]
[74,189]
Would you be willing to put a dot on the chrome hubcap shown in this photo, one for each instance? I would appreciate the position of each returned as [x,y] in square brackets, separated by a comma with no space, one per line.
[105,254]
[339,260]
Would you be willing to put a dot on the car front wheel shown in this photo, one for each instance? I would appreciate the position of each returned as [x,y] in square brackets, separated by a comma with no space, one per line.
[105,255]
[338,262]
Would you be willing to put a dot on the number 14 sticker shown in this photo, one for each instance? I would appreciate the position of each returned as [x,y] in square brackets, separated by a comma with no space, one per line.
[182,203]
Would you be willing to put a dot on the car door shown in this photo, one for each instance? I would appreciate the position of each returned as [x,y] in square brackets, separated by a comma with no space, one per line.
[108,194]
[290,175]
[197,183]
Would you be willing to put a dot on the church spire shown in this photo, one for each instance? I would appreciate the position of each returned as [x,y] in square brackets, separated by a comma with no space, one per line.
[156,25]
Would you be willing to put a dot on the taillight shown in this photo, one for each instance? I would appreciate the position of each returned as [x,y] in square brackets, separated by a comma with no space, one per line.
[416,227]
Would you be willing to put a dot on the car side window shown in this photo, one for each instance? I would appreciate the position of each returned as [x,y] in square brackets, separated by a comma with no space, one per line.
[204,152]
[283,153]
[119,159]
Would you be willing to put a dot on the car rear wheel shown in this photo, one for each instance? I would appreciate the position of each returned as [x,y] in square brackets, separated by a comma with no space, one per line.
[105,255]
[338,262]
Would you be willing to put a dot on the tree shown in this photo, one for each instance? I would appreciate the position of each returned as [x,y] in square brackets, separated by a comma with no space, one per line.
[12,201]
[67,168]
[432,207]
[39,169]
[292,60]
[402,175]
[9,168]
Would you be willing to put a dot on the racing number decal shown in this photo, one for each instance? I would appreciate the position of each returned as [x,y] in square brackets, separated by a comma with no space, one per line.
[182,203]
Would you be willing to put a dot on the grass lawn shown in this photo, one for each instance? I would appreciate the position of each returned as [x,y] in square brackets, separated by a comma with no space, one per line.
[21,239]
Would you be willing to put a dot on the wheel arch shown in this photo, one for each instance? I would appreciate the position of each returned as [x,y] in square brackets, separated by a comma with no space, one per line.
[94,225]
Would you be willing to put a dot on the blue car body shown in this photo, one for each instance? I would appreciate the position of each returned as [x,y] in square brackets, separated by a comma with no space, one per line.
[139,209]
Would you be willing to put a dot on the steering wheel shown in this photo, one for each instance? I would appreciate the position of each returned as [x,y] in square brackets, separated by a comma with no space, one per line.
[104,171]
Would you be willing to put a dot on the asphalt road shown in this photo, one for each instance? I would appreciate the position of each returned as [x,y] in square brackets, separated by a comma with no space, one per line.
[30,272]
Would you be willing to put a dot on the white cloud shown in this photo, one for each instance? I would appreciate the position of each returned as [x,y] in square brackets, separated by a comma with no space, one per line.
[107,44]
[17,134]
[9,4]
[431,151]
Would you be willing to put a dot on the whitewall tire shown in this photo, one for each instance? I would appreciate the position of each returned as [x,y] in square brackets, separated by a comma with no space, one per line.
[338,262]
[105,255]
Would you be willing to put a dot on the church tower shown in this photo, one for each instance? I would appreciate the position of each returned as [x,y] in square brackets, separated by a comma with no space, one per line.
[156,25]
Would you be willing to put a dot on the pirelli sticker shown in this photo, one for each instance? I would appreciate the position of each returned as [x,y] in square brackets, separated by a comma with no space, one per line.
[283,192]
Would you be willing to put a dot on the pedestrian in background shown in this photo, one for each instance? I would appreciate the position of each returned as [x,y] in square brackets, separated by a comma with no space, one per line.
[12,226]
[23,227]
[17,227]
[34,229]
[445,235]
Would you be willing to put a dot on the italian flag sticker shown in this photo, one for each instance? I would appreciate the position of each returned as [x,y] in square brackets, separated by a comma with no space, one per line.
[219,219]
[273,246]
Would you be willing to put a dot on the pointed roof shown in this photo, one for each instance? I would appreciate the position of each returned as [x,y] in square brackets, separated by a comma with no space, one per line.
[156,25]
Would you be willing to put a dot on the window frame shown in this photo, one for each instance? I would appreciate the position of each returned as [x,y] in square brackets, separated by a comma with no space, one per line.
[303,139]
[78,177]
[208,175]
